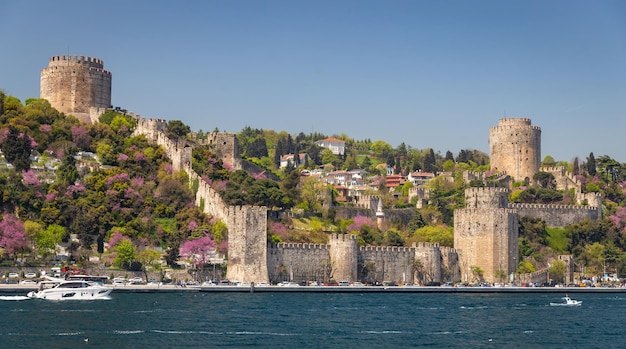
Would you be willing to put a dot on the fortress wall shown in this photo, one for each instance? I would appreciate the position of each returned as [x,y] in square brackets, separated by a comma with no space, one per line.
[343,252]
[209,200]
[430,257]
[247,243]
[557,215]
[486,238]
[386,263]
[247,225]
[450,264]
[486,197]
[178,152]
[367,201]
[345,212]
[298,262]
[225,146]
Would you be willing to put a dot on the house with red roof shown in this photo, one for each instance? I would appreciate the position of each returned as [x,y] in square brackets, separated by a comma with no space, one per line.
[337,146]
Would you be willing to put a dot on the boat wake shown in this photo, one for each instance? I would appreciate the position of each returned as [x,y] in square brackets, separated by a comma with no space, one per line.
[13,298]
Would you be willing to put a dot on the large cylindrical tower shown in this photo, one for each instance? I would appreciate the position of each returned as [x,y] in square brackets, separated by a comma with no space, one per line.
[515,147]
[74,84]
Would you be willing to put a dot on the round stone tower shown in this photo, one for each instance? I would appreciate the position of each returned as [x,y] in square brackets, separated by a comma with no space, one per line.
[515,147]
[74,85]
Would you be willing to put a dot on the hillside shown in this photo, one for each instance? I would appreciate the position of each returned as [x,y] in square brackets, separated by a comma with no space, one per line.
[110,198]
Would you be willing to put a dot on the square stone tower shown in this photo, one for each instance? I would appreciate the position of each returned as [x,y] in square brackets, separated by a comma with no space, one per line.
[485,235]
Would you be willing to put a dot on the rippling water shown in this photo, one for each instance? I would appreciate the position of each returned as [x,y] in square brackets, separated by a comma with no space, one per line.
[327,320]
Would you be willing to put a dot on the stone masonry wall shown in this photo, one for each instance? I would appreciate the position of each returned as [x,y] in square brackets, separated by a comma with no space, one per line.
[74,84]
[515,147]
[556,215]
[298,262]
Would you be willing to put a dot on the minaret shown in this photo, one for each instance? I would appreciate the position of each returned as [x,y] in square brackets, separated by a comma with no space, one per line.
[380,215]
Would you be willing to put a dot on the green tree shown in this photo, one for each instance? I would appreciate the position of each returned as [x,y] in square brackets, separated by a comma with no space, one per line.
[17,148]
[67,172]
[440,234]
[150,261]
[477,273]
[381,149]
[48,239]
[591,164]
[176,129]
[125,254]
[525,267]
[429,161]
[545,180]
[557,271]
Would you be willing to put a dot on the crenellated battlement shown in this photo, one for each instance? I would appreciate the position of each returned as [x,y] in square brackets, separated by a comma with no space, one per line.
[508,128]
[426,245]
[516,206]
[514,121]
[392,249]
[301,246]
[86,60]
[486,191]
[342,237]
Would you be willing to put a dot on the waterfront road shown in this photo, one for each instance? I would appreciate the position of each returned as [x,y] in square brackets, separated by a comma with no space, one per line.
[23,289]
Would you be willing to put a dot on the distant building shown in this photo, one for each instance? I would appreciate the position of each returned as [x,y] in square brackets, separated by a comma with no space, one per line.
[418,177]
[337,146]
[286,159]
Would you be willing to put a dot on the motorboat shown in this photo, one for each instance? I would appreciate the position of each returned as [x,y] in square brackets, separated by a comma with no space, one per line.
[567,301]
[71,289]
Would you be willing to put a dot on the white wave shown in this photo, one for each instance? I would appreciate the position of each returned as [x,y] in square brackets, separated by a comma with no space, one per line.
[447,332]
[383,332]
[13,298]
[68,333]
[248,333]
[128,331]
[173,332]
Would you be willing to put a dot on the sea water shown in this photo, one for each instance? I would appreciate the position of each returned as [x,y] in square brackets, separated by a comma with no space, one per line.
[314,320]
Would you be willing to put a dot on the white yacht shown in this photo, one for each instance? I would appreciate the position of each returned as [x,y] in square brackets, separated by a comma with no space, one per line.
[71,289]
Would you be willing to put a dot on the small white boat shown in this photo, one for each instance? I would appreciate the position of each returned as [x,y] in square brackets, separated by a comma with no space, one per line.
[71,289]
[567,301]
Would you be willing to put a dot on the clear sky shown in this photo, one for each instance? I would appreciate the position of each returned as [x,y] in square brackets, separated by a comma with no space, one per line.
[431,74]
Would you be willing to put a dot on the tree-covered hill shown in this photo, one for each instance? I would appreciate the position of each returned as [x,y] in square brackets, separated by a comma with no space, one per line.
[115,193]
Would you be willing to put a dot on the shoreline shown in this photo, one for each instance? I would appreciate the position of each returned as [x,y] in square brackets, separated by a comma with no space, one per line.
[23,289]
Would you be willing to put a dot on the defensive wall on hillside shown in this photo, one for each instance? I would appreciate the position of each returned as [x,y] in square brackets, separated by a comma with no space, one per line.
[556,215]
[247,225]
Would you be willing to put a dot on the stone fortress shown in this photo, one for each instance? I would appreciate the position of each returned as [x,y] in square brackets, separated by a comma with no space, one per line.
[78,86]
[486,231]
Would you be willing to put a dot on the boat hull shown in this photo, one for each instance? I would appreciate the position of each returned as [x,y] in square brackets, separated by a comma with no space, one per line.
[571,304]
[72,294]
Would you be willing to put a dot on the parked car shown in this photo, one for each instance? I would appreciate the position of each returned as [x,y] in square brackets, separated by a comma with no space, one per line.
[30,275]
[136,281]
[28,282]
[13,276]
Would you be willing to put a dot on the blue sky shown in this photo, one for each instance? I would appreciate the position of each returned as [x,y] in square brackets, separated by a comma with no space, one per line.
[432,74]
